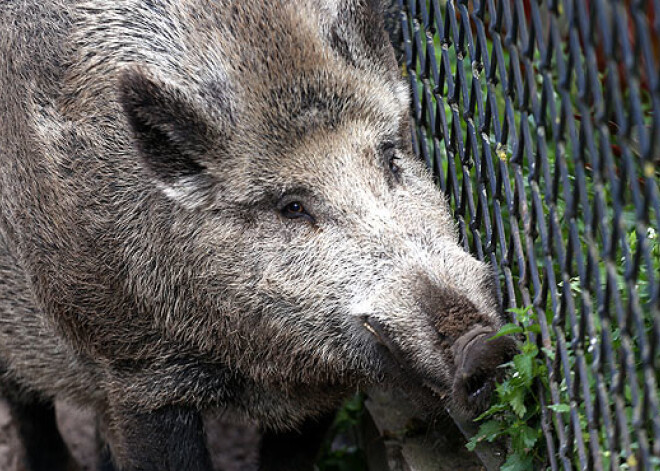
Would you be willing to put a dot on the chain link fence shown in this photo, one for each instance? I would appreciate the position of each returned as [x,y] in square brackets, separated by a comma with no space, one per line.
[541,122]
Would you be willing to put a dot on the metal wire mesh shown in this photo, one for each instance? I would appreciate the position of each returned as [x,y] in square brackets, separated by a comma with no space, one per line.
[541,122]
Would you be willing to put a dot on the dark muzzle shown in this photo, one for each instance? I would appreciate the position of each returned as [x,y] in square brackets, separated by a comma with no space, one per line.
[477,357]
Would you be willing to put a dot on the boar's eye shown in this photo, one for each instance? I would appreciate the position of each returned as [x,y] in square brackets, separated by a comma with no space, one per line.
[390,156]
[394,167]
[295,210]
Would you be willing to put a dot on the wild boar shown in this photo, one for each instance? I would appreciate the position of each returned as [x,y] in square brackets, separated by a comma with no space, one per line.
[209,204]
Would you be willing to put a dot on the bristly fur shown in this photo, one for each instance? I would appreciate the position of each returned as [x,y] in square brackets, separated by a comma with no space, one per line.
[147,152]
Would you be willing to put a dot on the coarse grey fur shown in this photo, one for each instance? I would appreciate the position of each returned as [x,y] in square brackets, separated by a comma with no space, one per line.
[153,261]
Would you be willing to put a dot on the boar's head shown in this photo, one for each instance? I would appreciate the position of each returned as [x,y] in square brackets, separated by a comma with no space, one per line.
[324,258]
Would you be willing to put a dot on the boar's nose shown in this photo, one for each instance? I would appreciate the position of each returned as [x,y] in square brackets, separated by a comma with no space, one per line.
[477,357]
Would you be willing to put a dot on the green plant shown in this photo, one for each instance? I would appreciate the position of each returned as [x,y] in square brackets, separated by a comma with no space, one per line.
[341,450]
[515,414]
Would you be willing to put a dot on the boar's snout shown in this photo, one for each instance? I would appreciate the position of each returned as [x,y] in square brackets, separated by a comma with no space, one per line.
[477,357]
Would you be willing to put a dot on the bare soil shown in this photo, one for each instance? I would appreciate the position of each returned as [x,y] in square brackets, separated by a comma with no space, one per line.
[233,445]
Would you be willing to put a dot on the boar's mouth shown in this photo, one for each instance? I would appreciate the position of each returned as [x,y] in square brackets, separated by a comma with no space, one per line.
[378,331]
[477,356]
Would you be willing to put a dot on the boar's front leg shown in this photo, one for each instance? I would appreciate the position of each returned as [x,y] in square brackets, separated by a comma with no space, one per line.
[166,439]
[44,448]
[37,427]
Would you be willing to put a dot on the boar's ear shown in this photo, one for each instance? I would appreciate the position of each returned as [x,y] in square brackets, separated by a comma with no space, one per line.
[358,34]
[173,136]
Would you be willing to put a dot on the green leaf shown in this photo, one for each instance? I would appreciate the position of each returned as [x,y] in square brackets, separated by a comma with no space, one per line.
[533,328]
[472,443]
[525,438]
[540,371]
[356,403]
[523,314]
[507,329]
[559,408]
[518,402]
[494,409]
[488,431]
[504,390]
[524,365]
[518,462]
[530,348]
[549,353]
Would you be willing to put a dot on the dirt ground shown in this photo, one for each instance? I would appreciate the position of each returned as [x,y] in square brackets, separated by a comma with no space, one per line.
[233,445]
